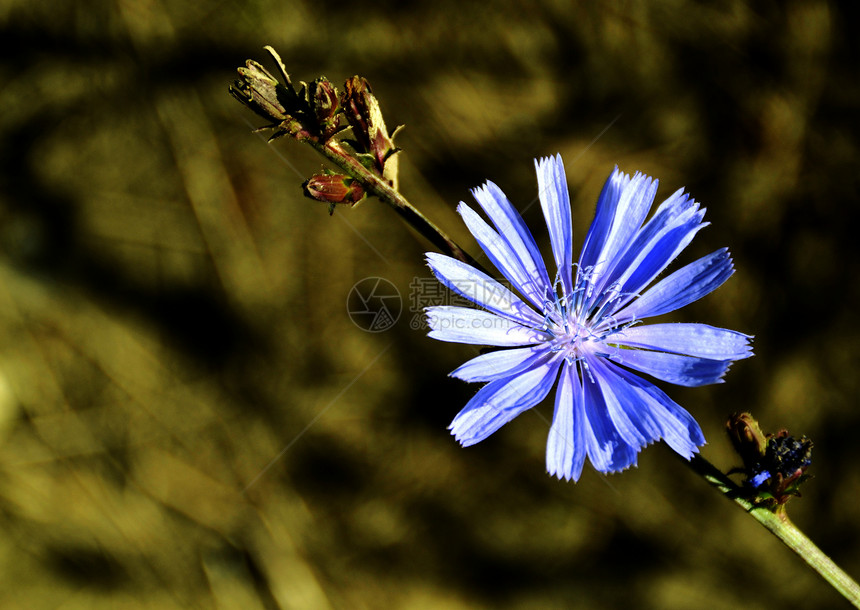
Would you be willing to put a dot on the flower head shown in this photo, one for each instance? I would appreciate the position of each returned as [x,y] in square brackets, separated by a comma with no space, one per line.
[580,328]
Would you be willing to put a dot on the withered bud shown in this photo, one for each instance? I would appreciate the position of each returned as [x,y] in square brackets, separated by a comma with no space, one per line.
[746,437]
[356,100]
[258,90]
[333,189]
[365,117]
[326,105]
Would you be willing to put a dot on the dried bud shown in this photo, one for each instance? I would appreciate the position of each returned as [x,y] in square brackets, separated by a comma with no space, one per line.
[289,112]
[357,101]
[774,464]
[258,90]
[333,189]
[323,97]
[746,436]
[365,117]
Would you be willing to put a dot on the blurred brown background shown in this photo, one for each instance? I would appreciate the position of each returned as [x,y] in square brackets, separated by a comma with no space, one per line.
[173,311]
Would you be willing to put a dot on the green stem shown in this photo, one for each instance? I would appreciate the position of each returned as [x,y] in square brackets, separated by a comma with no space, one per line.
[778,523]
[334,152]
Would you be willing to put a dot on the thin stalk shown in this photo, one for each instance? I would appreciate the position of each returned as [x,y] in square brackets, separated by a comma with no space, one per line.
[334,152]
[778,524]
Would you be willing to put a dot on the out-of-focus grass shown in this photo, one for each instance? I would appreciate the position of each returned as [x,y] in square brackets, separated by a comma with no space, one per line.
[189,419]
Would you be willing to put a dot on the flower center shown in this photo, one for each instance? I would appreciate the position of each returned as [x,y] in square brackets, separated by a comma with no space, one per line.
[580,323]
[572,335]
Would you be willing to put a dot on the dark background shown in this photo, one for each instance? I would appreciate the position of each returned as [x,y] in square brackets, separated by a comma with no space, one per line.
[173,311]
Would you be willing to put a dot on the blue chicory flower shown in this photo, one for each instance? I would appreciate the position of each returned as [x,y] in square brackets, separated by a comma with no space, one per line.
[582,329]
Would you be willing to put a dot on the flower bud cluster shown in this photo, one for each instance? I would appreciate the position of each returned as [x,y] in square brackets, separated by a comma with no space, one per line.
[317,113]
[774,464]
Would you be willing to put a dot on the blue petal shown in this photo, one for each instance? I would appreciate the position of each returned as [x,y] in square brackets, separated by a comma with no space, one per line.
[607,450]
[656,245]
[555,202]
[691,339]
[627,421]
[672,213]
[760,479]
[684,286]
[658,258]
[513,229]
[477,327]
[565,447]
[603,215]
[523,275]
[502,364]
[679,429]
[636,425]
[630,213]
[481,289]
[674,368]
[500,401]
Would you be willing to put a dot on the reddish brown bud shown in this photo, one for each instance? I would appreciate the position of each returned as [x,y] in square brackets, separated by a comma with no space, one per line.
[356,101]
[333,189]
[365,117]
[326,106]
